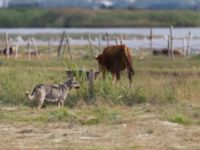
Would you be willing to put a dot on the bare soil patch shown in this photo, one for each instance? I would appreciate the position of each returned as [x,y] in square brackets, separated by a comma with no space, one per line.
[139,132]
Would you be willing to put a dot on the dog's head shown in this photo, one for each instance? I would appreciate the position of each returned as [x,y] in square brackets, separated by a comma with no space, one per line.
[72,83]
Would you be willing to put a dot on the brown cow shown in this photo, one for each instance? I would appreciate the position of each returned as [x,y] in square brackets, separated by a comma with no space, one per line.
[115,59]
[165,52]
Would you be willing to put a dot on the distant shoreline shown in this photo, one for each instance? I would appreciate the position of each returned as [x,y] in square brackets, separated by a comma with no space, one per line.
[88,18]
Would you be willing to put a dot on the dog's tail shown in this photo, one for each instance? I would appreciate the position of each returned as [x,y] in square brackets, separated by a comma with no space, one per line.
[31,95]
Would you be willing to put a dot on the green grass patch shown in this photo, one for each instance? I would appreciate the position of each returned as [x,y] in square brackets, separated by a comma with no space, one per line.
[180,119]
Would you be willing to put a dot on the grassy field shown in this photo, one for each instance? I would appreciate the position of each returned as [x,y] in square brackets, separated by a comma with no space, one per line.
[69,17]
[162,106]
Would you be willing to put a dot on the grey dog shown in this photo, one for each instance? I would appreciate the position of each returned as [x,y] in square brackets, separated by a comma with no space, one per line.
[52,93]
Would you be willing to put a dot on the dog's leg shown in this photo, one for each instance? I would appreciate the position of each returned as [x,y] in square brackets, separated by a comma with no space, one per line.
[62,103]
[40,103]
[41,98]
[59,103]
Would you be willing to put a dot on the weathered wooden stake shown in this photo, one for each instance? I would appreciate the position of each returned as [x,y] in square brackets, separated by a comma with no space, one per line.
[171,44]
[59,50]
[121,39]
[90,43]
[17,50]
[107,39]
[90,84]
[49,47]
[168,46]
[100,43]
[188,45]
[184,47]
[151,41]
[116,40]
[35,48]
[69,47]
[7,46]
[29,49]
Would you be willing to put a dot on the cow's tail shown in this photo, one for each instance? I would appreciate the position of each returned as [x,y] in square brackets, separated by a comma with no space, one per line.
[129,64]
[128,61]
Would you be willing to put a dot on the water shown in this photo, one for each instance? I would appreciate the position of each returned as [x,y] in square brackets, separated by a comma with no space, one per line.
[133,43]
[178,32]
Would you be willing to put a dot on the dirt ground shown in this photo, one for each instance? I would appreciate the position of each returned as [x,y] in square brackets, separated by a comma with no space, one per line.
[144,132]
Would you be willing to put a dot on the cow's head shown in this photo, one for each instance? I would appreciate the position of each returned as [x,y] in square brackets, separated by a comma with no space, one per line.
[99,60]
[96,57]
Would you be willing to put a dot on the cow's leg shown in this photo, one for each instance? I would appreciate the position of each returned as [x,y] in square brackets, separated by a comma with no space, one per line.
[103,74]
[117,76]
[130,77]
[114,78]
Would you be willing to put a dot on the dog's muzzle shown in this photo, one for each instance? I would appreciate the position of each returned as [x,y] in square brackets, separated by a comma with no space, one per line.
[77,86]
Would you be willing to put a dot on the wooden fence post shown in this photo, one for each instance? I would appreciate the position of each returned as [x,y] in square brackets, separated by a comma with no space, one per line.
[90,43]
[121,39]
[107,39]
[68,45]
[90,84]
[59,50]
[116,40]
[151,41]
[29,49]
[168,46]
[184,47]
[7,46]
[17,50]
[49,47]
[100,42]
[188,45]
[35,48]
[171,44]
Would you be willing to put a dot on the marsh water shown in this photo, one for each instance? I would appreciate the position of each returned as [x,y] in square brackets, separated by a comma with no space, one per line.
[139,36]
